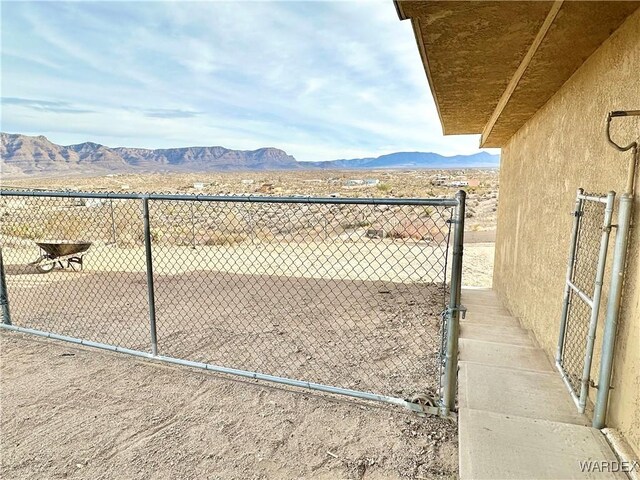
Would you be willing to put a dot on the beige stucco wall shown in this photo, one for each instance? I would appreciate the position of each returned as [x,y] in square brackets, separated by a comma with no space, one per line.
[558,150]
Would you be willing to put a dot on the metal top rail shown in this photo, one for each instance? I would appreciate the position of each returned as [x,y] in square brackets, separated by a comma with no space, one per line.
[435,202]
[595,198]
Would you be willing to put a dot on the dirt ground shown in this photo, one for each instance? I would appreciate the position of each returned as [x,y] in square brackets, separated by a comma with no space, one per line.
[381,337]
[75,412]
[72,412]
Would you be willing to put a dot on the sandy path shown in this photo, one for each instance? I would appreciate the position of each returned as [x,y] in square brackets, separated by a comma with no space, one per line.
[386,261]
[477,265]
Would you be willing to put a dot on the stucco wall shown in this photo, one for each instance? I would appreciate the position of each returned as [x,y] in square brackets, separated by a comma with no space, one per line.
[559,150]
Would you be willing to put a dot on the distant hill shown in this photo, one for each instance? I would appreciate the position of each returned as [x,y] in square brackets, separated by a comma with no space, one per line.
[414,160]
[26,155]
[22,155]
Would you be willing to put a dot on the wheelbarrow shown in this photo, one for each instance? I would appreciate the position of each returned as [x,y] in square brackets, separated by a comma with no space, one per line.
[64,254]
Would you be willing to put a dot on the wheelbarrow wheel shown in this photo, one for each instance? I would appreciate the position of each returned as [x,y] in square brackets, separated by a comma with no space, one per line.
[45,268]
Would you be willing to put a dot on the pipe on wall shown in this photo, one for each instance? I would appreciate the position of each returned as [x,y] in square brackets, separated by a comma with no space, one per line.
[617,275]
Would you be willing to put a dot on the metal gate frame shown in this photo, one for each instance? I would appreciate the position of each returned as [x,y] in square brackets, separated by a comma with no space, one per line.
[572,291]
[444,406]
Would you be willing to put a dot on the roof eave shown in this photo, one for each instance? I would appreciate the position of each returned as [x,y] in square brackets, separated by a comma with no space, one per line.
[399,10]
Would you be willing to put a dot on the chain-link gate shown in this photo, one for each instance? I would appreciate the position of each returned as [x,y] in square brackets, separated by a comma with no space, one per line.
[583,289]
[341,295]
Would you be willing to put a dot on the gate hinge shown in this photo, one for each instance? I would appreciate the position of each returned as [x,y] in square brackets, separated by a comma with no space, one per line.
[593,384]
[460,308]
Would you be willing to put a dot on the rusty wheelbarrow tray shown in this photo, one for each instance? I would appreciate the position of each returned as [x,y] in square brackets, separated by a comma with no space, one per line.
[57,252]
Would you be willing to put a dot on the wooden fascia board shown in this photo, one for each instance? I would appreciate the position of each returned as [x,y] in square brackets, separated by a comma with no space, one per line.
[517,76]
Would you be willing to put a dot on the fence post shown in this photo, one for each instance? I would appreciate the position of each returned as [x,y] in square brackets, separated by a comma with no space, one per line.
[613,307]
[4,296]
[453,310]
[149,262]
[567,290]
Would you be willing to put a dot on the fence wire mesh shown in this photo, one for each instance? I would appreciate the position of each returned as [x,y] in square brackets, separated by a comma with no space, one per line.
[102,299]
[583,276]
[348,295]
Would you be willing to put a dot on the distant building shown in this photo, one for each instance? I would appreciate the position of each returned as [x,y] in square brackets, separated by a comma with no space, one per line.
[458,183]
[439,180]
[354,183]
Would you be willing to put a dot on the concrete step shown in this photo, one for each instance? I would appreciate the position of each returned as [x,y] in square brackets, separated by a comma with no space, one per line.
[495,445]
[511,391]
[482,301]
[511,334]
[479,293]
[504,355]
[473,316]
[485,309]
[476,297]
[516,418]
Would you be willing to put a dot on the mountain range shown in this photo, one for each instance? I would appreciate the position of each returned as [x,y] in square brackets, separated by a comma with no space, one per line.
[22,155]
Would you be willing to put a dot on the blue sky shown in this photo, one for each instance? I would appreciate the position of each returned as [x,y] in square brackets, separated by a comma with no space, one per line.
[319,79]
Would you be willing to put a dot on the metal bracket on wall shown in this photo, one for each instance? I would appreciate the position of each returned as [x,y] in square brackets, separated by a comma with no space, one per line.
[597,385]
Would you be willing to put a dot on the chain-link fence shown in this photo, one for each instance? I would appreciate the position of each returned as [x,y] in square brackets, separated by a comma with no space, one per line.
[583,289]
[346,294]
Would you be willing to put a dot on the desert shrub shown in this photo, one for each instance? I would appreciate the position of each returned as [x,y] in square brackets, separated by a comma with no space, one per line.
[155,233]
[217,239]
[355,224]
[416,230]
[68,225]
[48,224]
[384,187]
[428,211]
[22,230]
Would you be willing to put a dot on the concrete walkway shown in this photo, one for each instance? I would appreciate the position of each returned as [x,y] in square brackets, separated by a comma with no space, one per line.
[516,418]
